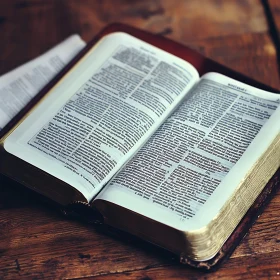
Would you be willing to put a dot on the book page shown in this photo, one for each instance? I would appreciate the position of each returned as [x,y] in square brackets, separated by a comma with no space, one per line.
[101,114]
[187,160]
[20,85]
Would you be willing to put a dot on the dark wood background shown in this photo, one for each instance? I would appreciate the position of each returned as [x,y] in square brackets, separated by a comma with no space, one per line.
[36,241]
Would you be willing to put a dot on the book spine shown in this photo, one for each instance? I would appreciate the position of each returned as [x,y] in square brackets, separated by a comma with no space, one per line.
[83,211]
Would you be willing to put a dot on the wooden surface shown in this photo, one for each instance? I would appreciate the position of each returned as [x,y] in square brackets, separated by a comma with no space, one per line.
[36,241]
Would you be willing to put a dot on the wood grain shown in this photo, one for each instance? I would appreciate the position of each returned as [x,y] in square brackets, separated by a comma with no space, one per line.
[251,54]
[36,241]
[275,9]
[31,27]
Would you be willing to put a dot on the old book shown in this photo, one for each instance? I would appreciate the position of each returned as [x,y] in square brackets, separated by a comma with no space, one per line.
[135,133]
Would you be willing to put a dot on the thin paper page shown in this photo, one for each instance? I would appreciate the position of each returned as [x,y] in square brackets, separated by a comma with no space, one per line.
[185,164]
[20,85]
[102,112]
[257,114]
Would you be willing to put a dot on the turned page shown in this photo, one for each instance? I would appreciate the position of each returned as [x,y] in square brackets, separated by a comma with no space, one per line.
[102,112]
[20,85]
[184,165]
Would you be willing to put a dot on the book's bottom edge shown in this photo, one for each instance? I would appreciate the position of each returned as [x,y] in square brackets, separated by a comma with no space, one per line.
[240,231]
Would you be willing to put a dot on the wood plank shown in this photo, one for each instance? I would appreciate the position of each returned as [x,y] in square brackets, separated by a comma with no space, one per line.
[183,20]
[253,55]
[40,23]
[31,27]
[48,245]
[265,266]
[275,9]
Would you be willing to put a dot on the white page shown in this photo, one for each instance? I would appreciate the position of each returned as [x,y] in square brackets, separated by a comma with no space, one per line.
[23,141]
[20,85]
[143,199]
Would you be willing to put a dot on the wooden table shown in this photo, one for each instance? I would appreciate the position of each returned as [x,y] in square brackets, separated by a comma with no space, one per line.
[36,242]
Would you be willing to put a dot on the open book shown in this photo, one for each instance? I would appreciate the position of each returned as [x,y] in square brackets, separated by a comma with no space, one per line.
[160,152]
